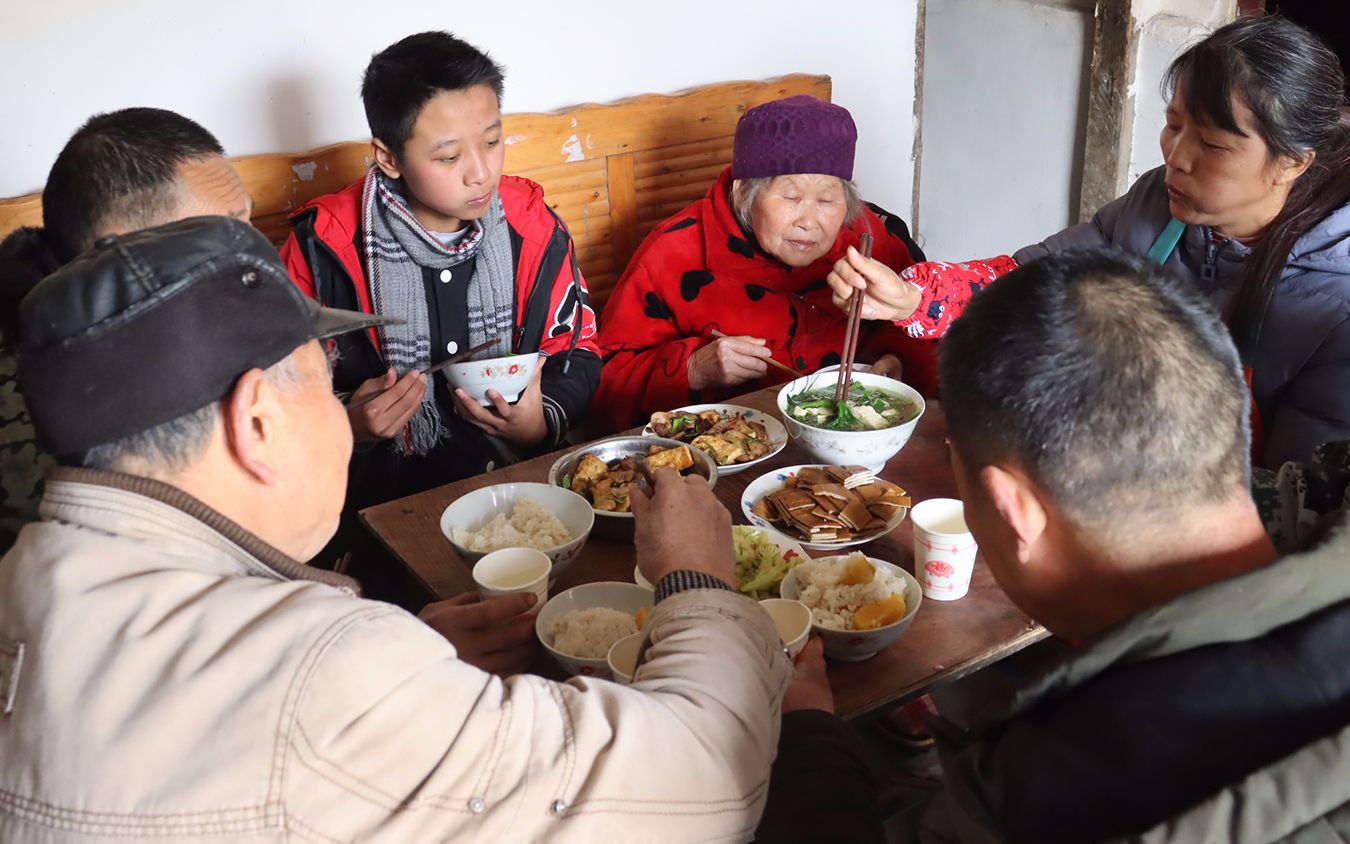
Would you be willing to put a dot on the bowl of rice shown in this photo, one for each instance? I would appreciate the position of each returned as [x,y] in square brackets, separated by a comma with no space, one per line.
[521,515]
[579,626]
[855,615]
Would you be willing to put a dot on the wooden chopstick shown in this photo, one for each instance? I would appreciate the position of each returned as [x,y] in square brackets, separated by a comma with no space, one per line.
[854,329]
[458,357]
[770,361]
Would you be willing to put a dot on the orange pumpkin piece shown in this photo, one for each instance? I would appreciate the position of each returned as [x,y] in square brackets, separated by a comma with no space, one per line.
[641,617]
[857,571]
[883,612]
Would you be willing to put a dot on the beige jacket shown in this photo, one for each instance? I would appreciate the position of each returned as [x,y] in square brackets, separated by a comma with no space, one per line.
[165,675]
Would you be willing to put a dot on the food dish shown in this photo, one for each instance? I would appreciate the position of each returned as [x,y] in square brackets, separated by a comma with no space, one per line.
[626,598]
[806,583]
[735,437]
[825,507]
[614,449]
[474,509]
[865,409]
[871,448]
[611,485]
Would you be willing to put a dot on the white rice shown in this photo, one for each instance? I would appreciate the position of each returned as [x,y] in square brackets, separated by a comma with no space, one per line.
[528,526]
[589,634]
[833,605]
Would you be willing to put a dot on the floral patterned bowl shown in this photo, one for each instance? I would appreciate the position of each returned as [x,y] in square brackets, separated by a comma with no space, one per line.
[509,376]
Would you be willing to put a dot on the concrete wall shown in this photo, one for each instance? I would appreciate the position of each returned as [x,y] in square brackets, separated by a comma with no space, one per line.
[1004,114]
[271,75]
[1164,29]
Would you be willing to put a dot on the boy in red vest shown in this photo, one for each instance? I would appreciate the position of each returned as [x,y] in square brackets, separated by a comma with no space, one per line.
[436,236]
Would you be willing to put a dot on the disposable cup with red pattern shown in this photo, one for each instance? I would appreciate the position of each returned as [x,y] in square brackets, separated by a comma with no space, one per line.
[944,549]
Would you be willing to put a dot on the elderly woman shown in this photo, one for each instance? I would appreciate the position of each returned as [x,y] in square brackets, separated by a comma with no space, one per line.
[1252,205]
[738,277]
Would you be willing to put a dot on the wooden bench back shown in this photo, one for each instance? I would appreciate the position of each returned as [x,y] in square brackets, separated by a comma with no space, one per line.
[612,171]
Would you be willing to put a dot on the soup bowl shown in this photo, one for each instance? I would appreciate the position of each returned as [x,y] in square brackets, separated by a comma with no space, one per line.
[871,448]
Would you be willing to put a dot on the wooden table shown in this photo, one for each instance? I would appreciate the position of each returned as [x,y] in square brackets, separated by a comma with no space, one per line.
[945,641]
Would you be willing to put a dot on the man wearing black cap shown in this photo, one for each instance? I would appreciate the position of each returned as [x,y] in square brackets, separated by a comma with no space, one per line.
[168,670]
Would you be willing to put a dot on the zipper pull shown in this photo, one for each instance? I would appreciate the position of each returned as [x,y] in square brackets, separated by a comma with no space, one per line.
[1208,270]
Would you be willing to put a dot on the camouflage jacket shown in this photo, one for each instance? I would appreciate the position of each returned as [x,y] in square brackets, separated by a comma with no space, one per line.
[22,463]
[1300,502]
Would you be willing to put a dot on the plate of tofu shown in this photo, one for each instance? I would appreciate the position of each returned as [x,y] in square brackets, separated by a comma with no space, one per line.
[825,507]
[606,474]
[735,437]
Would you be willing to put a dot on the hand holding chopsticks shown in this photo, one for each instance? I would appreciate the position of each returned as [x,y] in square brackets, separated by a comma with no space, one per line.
[364,396]
[769,361]
[851,332]
[887,294]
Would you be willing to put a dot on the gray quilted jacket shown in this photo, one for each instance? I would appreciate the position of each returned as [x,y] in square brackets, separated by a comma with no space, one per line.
[1301,373]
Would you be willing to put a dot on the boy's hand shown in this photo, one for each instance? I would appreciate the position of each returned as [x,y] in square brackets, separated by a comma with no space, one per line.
[493,634]
[381,406]
[520,424]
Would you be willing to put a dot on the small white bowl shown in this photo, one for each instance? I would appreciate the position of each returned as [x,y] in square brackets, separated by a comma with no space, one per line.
[508,375]
[846,448]
[474,509]
[778,435]
[624,597]
[642,581]
[857,645]
[792,618]
[622,657]
[773,481]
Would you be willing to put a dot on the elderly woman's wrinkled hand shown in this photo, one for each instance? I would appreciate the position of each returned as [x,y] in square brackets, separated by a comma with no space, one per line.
[728,361]
[682,526]
[888,296]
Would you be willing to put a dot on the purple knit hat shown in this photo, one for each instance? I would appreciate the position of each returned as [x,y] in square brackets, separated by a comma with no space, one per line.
[798,134]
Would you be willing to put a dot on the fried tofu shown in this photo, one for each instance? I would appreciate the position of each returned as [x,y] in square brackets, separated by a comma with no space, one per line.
[677,458]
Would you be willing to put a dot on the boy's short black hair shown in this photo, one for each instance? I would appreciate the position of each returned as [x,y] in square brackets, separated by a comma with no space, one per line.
[401,79]
[117,169]
[1115,386]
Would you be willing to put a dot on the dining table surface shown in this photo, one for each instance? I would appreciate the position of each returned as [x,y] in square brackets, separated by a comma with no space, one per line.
[946,640]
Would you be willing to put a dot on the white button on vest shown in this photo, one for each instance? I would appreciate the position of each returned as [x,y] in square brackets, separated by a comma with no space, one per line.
[445,275]
[452,347]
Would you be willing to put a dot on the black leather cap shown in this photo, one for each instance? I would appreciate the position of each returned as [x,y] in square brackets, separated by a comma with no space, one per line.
[149,326]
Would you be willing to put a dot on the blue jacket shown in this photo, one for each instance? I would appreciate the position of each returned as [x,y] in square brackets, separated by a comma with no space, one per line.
[1301,365]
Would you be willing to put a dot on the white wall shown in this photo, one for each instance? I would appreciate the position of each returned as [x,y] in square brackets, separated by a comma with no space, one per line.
[284,74]
[1164,29]
[1004,112]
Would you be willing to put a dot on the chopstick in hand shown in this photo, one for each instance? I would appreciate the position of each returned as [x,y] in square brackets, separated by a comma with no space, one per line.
[769,361]
[855,306]
[459,357]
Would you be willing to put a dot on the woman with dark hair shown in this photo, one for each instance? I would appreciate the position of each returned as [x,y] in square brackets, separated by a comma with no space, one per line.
[1252,204]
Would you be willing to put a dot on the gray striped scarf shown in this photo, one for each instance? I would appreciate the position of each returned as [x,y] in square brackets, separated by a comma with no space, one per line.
[397,249]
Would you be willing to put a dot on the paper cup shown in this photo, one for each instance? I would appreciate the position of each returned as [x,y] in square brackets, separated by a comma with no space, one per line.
[513,570]
[622,657]
[944,549]
[793,621]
